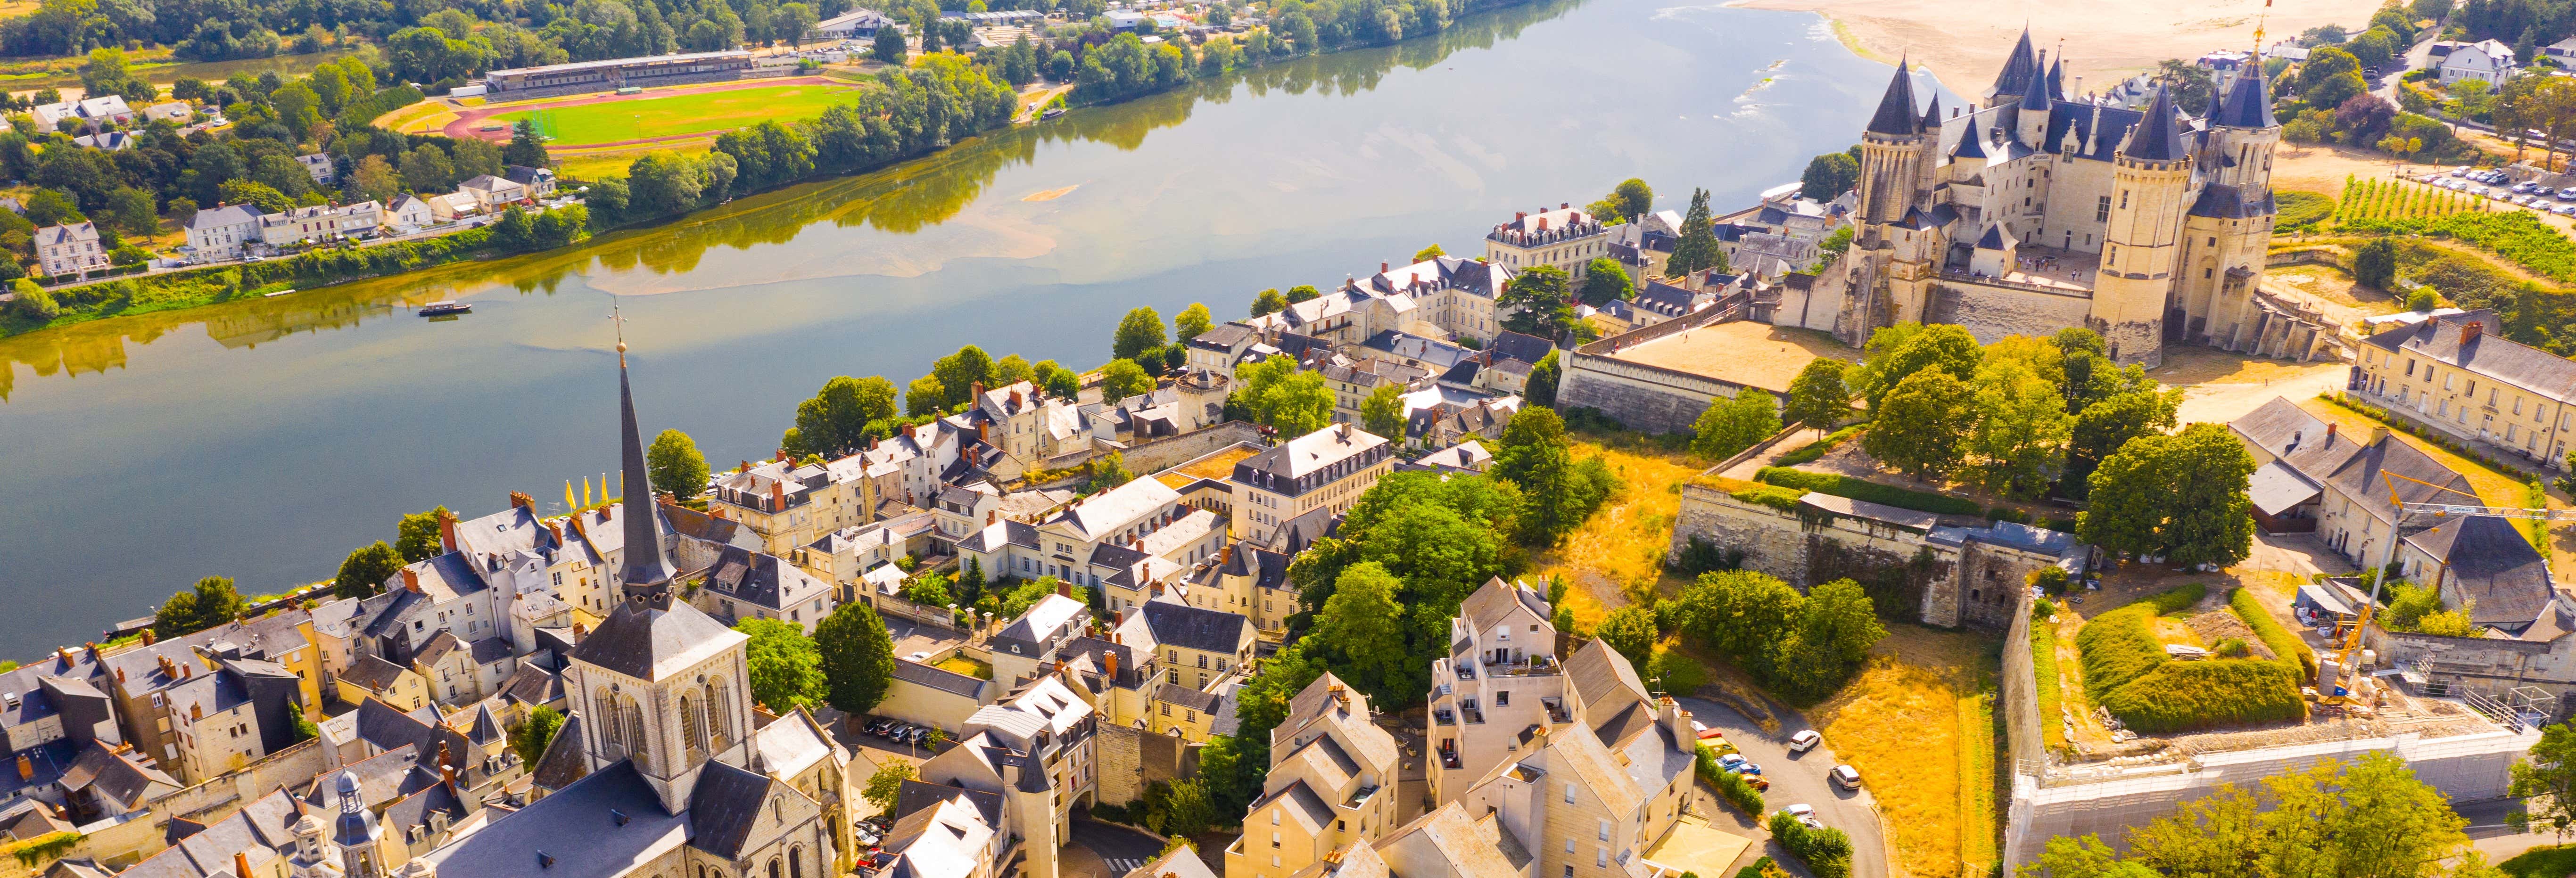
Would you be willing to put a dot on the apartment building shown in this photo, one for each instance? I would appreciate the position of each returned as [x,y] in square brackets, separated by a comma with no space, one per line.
[1199,646]
[1442,297]
[1029,643]
[1245,579]
[2458,374]
[1120,541]
[743,584]
[69,249]
[1331,784]
[1287,495]
[1035,751]
[1026,426]
[788,505]
[1566,238]
[1593,807]
[1500,678]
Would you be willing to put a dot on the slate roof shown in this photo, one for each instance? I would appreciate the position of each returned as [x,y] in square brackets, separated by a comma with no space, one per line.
[575,829]
[2277,487]
[947,681]
[1604,679]
[2228,202]
[916,795]
[1895,114]
[2249,101]
[2277,427]
[2447,339]
[644,641]
[2492,568]
[120,778]
[1044,619]
[372,673]
[1197,628]
[762,579]
[1485,607]
[2158,138]
[566,758]
[1203,702]
[725,806]
[1519,346]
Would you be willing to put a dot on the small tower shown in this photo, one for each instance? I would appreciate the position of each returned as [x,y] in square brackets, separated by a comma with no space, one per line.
[2150,181]
[355,831]
[313,855]
[2030,117]
[2014,79]
[1891,152]
[2243,133]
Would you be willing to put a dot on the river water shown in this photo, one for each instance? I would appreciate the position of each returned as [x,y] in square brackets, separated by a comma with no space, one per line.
[262,440]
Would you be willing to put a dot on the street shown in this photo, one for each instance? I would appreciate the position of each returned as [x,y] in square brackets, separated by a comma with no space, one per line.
[1124,849]
[1794,780]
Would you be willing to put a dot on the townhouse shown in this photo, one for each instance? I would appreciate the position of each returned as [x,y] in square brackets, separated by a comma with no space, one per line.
[1287,495]
[743,584]
[2458,374]
[1120,540]
[221,232]
[1331,784]
[1198,646]
[72,248]
[1244,579]
[1566,238]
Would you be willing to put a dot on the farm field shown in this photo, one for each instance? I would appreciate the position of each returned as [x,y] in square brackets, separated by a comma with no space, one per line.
[647,118]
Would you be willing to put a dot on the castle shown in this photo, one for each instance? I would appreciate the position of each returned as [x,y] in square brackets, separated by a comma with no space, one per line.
[2035,211]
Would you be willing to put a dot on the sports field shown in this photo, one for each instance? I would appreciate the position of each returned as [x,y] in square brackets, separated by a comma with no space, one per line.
[648,118]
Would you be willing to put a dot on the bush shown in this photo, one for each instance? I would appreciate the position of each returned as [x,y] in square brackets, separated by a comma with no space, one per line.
[1827,852]
[1873,492]
[2286,647]
[1813,451]
[2183,696]
[2177,599]
[1733,787]
[2115,648]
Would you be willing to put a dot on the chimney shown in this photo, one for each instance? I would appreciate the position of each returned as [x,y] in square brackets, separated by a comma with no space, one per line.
[523,501]
[2470,331]
[411,580]
[780,455]
[1519,215]
[1542,224]
[1015,399]
[2330,433]
[578,630]
[149,637]
[556,528]
[1565,205]
[990,515]
[777,497]
[1383,268]
[2378,433]
[907,431]
[1063,588]
[743,468]
[241,864]
[977,392]
[447,530]
[1113,677]
[26,768]
[120,676]
[1158,589]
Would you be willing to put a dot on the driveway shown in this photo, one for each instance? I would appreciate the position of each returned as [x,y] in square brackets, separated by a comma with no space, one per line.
[1124,849]
[1798,779]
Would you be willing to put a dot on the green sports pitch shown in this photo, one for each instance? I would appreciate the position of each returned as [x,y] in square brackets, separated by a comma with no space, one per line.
[649,118]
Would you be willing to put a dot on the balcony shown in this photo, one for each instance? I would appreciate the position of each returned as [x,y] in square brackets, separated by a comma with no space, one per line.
[1443,717]
[1360,796]
[1556,712]
[1533,666]
[1449,760]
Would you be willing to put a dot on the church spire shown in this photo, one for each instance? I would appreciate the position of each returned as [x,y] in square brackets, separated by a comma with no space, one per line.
[647,573]
[1896,109]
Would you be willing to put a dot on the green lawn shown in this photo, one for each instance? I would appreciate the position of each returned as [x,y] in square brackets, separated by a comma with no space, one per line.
[2541,862]
[683,114]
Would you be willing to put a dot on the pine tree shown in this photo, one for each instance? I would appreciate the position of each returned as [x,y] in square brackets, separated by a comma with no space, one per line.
[1697,248]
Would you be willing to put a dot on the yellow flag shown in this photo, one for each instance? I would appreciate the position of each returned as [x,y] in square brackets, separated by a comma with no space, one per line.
[585,492]
[570,502]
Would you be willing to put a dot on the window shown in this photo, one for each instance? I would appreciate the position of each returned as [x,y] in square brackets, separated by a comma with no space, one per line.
[1503,699]
[1604,833]
[2124,199]
[2102,211]
[1569,845]
[1569,793]
[1600,858]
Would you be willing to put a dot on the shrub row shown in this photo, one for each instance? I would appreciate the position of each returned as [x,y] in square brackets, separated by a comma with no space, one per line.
[2285,646]
[1827,852]
[2518,235]
[1873,492]
[2182,696]
[1737,791]
[2177,599]
[1813,451]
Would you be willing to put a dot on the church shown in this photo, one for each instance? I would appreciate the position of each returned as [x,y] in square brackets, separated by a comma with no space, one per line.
[664,769]
[2034,210]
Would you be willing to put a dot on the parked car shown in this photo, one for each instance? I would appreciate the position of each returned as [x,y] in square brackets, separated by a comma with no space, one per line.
[1845,776]
[1730,760]
[1805,814]
[880,726]
[1805,741]
[1705,733]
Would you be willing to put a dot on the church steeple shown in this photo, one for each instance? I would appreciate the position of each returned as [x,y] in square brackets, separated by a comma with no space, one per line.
[1895,114]
[647,573]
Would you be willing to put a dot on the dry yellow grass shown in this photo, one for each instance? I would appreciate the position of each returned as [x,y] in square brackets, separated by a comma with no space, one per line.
[1918,723]
[1618,555]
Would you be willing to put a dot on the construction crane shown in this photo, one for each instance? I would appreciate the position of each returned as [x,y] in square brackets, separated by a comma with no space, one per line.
[2341,693]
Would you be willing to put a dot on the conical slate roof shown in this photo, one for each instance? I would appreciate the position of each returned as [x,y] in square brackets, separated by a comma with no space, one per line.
[2034,94]
[2018,68]
[2158,137]
[2057,78]
[1896,109]
[1972,143]
[1932,114]
[2249,101]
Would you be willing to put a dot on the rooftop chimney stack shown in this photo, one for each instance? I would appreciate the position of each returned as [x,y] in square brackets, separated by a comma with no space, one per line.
[447,530]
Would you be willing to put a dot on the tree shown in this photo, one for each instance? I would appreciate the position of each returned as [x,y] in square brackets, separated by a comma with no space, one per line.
[1360,632]
[530,737]
[1606,281]
[416,535]
[366,570]
[213,602]
[376,180]
[132,211]
[857,657]
[526,148]
[1541,389]
[1830,175]
[2330,77]
[1122,378]
[2368,817]
[1837,624]
[1742,615]
[835,421]
[888,45]
[2546,780]
[1303,293]
[1535,300]
[1269,302]
[960,372]
[1631,631]
[674,465]
[1732,425]
[1427,254]
[2104,427]
[1625,203]
[427,169]
[1922,427]
[1191,321]
[2191,83]
[1818,397]
[1536,456]
[2180,496]
[2022,428]
[785,667]
[2085,857]
[1278,395]
[33,303]
[1188,811]
[923,398]
[1382,412]
[1105,472]
[2374,264]
[1013,369]
[1057,381]
[1141,330]
[1695,248]
[887,783]
[1895,353]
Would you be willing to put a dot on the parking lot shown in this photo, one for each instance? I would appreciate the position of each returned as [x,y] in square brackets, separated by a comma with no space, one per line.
[1795,779]
[2498,186]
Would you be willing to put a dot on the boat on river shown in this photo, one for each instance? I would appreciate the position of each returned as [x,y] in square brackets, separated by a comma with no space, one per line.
[444,307]
[1051,113]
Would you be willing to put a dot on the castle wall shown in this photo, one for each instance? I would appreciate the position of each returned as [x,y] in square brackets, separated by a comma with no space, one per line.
[1992,311]
[1897,566]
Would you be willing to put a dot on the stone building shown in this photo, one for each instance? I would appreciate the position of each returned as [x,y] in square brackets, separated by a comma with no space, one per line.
[1950,571]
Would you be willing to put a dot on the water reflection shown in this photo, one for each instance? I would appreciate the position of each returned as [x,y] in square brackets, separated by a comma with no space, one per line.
[902,199]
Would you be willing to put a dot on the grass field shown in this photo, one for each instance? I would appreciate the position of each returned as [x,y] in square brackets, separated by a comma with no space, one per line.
[1919,724]
[1617,556]
[613,121]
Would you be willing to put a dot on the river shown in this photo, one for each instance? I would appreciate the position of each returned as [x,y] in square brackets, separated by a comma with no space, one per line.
[263,440]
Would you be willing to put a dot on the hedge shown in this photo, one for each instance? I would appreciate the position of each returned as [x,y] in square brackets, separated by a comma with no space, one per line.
[1827,852]
[1812,451]
[2301,208]
[2286,647]
[1737,791]
[2183,696]
[2174,600]
[2117,647]
[1873,492]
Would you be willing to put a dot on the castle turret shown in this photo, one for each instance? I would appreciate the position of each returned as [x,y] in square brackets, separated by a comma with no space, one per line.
[2150,183]
[2243,133]
[2030,117]
[1890,152]
[2019,68]
[2230,224]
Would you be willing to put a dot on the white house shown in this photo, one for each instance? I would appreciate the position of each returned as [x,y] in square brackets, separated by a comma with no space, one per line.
[491,193]
[2487,60]
[69,249]
[408,213]
[319,223]
[537,182]
[318,166]
[170,111]
[443,208]
[220,232]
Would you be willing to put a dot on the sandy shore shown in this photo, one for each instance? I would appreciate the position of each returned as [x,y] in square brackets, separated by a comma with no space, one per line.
[1964,44]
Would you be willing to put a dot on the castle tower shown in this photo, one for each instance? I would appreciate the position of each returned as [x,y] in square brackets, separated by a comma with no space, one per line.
[2030,116]
[2243,134]
[2230,223]
[2014,79]
[1891,153]
[2150,183]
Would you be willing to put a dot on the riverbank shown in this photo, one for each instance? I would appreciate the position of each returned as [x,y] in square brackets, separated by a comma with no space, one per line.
[1964,44]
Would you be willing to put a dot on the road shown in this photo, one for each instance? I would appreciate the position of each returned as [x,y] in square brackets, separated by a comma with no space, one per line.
[1798,779]
[1124,849]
